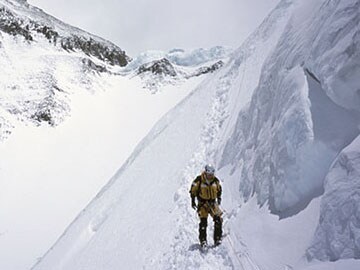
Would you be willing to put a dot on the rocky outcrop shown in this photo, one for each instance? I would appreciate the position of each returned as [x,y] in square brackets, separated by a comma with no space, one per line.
[94,48]
[208,69]
[158,67]
[28,28]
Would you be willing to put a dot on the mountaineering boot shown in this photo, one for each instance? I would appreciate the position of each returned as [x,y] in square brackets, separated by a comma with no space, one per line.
[202,231]
[217,243]
[217,230]
[203,244]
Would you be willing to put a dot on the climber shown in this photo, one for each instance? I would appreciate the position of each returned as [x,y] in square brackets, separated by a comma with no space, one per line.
[206,189]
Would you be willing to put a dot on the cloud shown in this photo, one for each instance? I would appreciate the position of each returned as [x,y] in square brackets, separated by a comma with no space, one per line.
[141,25]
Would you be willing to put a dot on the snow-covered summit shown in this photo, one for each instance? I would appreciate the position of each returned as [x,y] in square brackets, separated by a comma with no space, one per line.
[198,56]
[158,68]
[182,57]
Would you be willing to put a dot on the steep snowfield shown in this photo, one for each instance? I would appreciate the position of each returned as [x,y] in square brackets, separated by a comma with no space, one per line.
[69,116]
[141,219]
[49,174]
[43,83]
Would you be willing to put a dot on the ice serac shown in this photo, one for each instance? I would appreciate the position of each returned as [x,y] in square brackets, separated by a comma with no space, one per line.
[338,233]
[281,147]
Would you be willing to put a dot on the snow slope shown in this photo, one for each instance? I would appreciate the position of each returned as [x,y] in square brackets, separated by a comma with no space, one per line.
[62,168]
[141,219]
[42,59]
[68,117]
[48,76]
[274,120]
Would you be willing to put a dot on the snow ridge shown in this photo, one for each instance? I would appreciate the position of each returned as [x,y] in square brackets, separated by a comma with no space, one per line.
[182,256]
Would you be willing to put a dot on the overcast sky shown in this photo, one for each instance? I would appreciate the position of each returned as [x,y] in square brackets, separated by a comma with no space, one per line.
[140,25]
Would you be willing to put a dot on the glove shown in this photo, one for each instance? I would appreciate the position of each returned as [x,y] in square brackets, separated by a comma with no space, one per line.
[219,201]
[193,203]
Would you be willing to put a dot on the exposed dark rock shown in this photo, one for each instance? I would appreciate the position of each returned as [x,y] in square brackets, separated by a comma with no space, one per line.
[43,116]
[49,110]
[210,69]
[158,67]
[5,130]
[94,48]
[11,24]
[49,33]
[91,66]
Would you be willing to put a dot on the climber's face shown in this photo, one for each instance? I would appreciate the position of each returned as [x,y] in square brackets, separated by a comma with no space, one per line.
[209,176]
